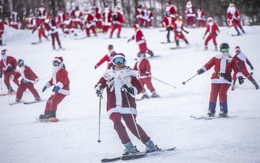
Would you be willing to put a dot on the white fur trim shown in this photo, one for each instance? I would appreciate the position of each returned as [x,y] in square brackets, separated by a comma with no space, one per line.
[122,110]
[220,81]
[239,74]
[59,84]
[64,92]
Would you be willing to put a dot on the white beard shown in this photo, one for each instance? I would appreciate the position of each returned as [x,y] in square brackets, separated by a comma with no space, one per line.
[55,69]
[4,57]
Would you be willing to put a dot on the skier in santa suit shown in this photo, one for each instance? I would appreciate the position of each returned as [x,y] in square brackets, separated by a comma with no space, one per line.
[140,40]
[14,20]
[138,13]
[178,28]
[2,28]
[107,58]
[201,21]
[90,24]
[241,60]
[8,68]
[233,18]
[190,14]
[50,25]
[117,21]
[168,23]
[171,9]
[121,86]
[212,29]
[221,79]
[60,81]
[61,17]
[143,67]
[41,30]
[76,16]
[98,19]
[107,19]
[29,78]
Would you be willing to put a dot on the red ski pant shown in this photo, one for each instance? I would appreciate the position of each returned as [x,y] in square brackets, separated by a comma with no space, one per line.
[7,79]
[55,36]
[201,23]
[1,33]
[213,37]
[92,28]
[143,49]
[41,33]
[22,87]
[236,23]
[219,89]
[246,74]
[54,101]
[130,123]
[105,28]
[178,36]
[147,82]
[114,27]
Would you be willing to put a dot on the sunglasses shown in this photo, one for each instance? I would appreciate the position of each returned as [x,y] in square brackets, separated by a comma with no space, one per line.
[119,60]
[56,63]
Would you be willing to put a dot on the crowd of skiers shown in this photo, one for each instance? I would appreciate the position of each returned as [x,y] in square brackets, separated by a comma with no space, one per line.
[121,82]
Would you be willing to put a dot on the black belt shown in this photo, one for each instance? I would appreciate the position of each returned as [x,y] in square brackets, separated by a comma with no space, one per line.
[222,74]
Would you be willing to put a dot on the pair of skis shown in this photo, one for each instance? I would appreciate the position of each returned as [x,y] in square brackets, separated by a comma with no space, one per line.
[136,155]
[206,117]
[25,102]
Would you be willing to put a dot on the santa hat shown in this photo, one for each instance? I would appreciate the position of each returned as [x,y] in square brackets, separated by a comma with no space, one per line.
[237,48]
[3,52]
[59,59]
[136,26]
[119,55]
[168,3]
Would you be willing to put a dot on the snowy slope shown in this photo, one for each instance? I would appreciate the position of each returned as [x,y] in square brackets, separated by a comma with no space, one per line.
[166,119]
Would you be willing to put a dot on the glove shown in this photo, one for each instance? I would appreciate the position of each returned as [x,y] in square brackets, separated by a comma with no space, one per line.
[203,37]
[1,75]
[33,31]
[99,90]
[251,67]
[200,71]
[36,81]
[44,88]
[129,90]
[186,32]
[56,89]
[129,40]
[11,77]
[240,80]
[95,66]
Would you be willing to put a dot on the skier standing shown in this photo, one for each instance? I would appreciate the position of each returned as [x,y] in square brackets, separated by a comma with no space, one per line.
[168,23]
[178,28]
[60,81]
[108,57]
[233,18]
[29,78]
[140,40]
[145,77]
[117,21]
[221,79]
[8,68]
[241,60]
[122,85]
[212,29]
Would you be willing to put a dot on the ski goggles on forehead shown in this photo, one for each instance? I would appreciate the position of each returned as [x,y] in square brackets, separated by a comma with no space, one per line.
[56,63]
[119,60]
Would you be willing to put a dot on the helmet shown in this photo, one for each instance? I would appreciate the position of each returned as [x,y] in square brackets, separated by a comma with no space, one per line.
[110,47]
[224,47]
[20,62]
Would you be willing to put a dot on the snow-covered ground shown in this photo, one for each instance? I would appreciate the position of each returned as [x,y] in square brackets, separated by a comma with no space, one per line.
[166,119]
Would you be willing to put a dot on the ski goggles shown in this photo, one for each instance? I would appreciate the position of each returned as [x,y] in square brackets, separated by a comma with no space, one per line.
[224,50]
[56,63]
[119,60]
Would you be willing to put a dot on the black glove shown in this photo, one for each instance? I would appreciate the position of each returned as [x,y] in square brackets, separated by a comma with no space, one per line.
[44,88]
[129,40]
[95,67]
[33,31]
[200,71]
[129,90]
[240,80]
[251,67]
[1,75]
[99,90]
[186,32]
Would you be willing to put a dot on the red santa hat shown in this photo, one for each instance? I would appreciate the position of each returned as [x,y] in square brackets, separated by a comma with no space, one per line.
[168,3]
[3,52]
[237,48]
[136,26]
[119,55]
[59,59]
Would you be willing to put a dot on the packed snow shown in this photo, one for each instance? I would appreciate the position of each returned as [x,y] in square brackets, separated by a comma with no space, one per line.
[166,119]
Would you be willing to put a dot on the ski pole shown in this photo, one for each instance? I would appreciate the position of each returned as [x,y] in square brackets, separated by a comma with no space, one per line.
[139,137]
[189,79]
[164,82]
[99,119]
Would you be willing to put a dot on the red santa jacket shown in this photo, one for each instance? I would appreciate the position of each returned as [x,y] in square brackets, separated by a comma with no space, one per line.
[172,10]
[26,73]
[168,21]
[233,14]
[8,65]
[143,66]
[113,80]
[60,79]
[2,27]
[107,18]
[61,17]
[42,13]
[189,12]
[51,26]
[212,29]
[76,15]
[241,60]
[139,37]
[109,58]
[200,14]
[89,20]
[223,66]
[117,18]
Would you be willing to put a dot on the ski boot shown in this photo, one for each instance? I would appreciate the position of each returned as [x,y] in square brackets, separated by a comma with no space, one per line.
[145,95]
[222,114]
[154,94]
[206,48]
[150,147]
[48,114]
[211,114]
[255,84]
[129,148]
